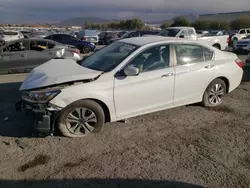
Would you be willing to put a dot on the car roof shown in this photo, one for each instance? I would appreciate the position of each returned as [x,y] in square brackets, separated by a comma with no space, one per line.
[141,41]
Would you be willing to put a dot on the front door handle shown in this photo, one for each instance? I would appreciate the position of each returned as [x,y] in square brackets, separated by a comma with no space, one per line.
[23,55]
[166,75]
[209,66]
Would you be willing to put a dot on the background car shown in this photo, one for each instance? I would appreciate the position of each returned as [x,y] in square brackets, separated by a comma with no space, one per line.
[88,35]
[25,54]
[83,46]
[243,45]
[39,34]
[9,35]
[135,34]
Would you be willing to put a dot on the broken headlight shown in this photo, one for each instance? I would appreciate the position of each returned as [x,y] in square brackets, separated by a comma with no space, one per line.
[40,96]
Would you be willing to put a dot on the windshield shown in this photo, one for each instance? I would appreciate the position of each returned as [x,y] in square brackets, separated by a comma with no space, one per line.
[169,32]
[248,37]
[109,57]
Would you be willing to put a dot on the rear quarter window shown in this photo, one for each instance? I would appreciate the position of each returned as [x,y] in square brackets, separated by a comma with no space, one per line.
[208,54]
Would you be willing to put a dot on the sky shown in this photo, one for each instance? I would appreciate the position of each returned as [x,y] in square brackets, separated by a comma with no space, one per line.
[32,11]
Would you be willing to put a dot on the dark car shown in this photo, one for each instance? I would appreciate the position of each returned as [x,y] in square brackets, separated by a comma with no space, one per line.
[139,33]
[24,54]
[106,36]
[83,46]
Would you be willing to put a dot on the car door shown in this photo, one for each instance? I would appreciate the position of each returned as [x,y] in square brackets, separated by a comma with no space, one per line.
[151,90]
[13,57]
[194,69]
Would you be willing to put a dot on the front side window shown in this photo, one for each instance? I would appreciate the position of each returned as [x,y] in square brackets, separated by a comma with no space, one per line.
[248,31]
[242,32]
[188,53]
[184,33]
[109,57]
[152,59]
[190,32]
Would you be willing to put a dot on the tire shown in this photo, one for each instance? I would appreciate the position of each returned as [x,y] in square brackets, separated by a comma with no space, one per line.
[234,43]
[86,49]
[211,91]
[68,114]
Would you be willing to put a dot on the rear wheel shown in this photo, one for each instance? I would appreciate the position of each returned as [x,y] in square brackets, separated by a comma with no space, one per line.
[214,93]
[81,118]
[86,49]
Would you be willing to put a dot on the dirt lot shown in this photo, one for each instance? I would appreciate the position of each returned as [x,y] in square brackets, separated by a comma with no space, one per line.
[181,147]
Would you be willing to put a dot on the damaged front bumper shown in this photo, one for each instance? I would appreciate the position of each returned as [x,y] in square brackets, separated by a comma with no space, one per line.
[44,115]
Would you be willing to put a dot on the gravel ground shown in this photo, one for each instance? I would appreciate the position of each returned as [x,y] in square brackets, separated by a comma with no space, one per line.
[180,147]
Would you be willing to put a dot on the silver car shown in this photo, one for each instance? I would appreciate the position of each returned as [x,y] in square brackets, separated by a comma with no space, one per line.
[89,35]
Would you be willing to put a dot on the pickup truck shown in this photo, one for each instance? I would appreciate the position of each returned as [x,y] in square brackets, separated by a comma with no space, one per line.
[217,41]
[235,37]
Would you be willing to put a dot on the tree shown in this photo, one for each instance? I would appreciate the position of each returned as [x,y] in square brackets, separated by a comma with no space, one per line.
[201,24]
[240,23]
[180,21]
[165,25]
[86,24]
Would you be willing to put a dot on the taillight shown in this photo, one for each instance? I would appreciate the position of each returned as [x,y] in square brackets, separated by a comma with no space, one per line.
[228,39]
[239,63]
[83,38]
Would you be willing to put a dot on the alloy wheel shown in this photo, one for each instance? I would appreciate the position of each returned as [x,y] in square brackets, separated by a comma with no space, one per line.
[81,121]
[216,93]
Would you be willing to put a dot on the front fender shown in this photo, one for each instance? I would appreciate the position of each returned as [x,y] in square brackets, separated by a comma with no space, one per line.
[72,94]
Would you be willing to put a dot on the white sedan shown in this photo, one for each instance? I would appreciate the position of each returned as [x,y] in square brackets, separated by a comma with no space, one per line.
[128,78]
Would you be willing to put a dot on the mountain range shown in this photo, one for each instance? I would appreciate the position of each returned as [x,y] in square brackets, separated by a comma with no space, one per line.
[79,21]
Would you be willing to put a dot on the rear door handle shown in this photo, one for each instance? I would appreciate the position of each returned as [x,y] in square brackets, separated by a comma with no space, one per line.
[209,66]
[23,55]
[166,75]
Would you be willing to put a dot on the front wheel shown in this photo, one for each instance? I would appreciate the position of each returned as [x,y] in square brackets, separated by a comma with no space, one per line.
[214,93]
[86,49]
[81,118]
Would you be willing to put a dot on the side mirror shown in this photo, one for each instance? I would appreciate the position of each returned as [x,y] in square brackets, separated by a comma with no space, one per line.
[131,71]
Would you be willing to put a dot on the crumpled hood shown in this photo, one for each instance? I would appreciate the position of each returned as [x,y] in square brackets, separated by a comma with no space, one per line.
[57,71]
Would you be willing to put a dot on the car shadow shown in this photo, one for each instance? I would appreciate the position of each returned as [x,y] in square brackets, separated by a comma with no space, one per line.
[12,123]
[97,183]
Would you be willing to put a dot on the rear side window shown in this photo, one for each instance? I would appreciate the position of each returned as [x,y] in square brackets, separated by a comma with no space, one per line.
[188,53]
[15,47]
[208,54]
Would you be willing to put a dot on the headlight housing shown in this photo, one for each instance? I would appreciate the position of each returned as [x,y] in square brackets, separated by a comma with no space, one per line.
[40,96]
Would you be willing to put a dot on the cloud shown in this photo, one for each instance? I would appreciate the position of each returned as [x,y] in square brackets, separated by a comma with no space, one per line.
[52,10]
